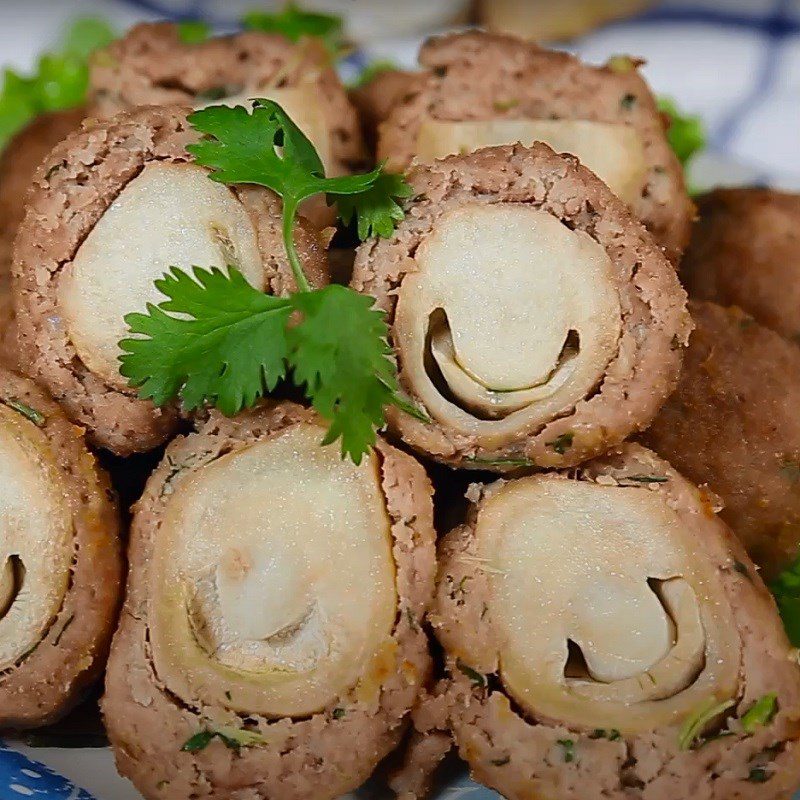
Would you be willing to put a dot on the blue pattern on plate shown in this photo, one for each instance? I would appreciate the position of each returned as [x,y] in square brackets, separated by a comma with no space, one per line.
[22,778]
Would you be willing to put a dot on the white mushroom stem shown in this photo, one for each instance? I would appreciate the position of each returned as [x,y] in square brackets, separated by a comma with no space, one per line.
[169,215]
[517,313]
[612,570]
[274,585]
[35,537]
[613,151]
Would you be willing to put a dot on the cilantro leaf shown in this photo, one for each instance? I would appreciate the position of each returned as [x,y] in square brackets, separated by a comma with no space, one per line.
[376,208]
[228,347]
[786,589]
[193,31]
[294,24]
[266,148]
[60,80]
[686,133]
[340,353]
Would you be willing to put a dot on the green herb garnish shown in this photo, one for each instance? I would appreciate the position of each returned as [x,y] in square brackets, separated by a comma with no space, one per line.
[692,728]
[295,24]
[760,713]
[376,209]
[36,417]
[217,340]
[601,733]
[232,738]
[193,31]
[502,462]
[472,674]
[758,775]
[562,443]
[60,80]
[568,746]
[786,589]
[644,478]
[338,713]
[686,133]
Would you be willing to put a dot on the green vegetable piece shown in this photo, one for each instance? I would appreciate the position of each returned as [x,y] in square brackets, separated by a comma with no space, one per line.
[232,738]
[193,31]
[686,133]
[502,462]
[472,674]
[36,417]
[372,70]
[562,443]
[338,713]
[568,746]
[758,775]
[87,34]
[760,713]
[198,742]
[786,589]
[693,727]
[645,478]
[295,24]
[376,209]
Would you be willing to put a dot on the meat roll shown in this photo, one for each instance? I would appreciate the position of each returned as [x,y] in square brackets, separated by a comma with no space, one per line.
[745,251]
[18,164]
[534,320]
[732,424]
[112,209]
[152,66]
[484,89]
[271,644]
[607,636]
[60,559]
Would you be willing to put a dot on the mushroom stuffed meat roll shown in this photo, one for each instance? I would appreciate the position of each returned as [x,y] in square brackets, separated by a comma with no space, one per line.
[60,559]
[745,252]
[271,643]
[607,637]
[18,165]
[151,65]
[112,209]
[534,320]
[481,89]
[732,424]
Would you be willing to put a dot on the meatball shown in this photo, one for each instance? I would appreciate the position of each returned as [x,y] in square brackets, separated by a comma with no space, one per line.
[60,559]
[732,424]
[607,636]
[745,251]
[112,209]
[534,320]
[482,89]
[271,644]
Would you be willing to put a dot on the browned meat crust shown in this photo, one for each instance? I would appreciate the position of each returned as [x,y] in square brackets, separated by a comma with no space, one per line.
[52,678]
[152,66]
[522,756]
[655,324]
[74,186]
[478,75]
[733,424]
[745,251]
[319,757]
[18,164]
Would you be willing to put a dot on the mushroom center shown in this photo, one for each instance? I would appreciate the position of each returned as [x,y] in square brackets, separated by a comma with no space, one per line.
[508,311]
[273,577]
[613,151]
[602,607]
[35,537]
[170,215]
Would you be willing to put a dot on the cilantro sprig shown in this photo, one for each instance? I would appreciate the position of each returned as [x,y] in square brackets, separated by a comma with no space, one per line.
[60,80]
[216,340]
[295,24]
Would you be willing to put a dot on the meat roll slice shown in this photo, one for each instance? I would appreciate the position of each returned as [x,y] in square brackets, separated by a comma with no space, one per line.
[152,66]
[534,320]
[745,251]
[607,637]
[112,209]
[733,424]
[271,643]
[18,165]
[484,89]
[60,559]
